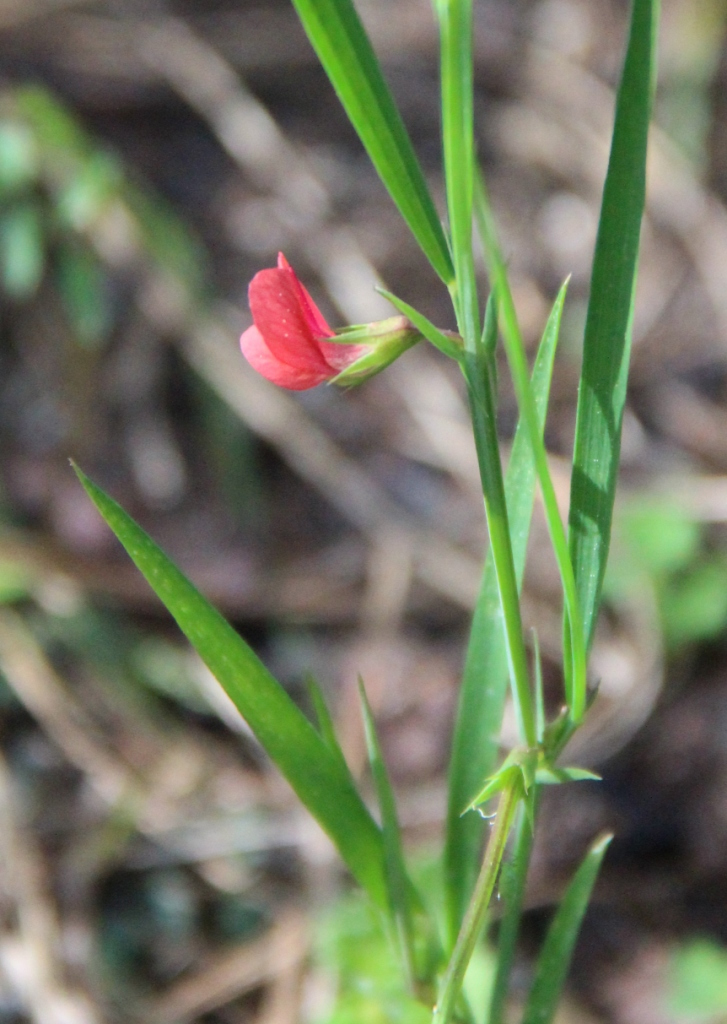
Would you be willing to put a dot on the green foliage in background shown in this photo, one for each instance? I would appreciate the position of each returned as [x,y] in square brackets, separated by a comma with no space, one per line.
[660,544]
[65,207]
[696,982]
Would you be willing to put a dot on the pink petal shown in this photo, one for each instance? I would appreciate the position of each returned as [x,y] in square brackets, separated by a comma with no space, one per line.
[315,319]
[281,316]
[340,356]
[259,356]
[337,356]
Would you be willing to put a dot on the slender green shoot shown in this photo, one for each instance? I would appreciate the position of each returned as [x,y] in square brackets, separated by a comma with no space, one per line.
[450,345]
[557,951]
[476,733]
[471,930]
[479,386]
[539,691]
[343,47]
[607,341]
[455,32]
[575,672]
[512,892]
[396,875]
[326,725]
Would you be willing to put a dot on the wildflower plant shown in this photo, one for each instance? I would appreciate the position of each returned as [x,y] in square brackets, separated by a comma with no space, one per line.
[291,344]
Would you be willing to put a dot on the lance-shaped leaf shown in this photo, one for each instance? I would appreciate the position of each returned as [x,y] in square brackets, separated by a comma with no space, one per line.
[450,345]
[607,340]
[324,718]
[314,771]
[555,956]
[400,888]
[343,47]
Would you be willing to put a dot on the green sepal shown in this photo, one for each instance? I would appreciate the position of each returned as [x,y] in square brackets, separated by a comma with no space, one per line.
[548,775]
[385,340]
[518,762]
[533,766]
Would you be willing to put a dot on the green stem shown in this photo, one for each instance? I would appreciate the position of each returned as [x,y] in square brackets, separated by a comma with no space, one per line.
[455,20]
[493,489]
[474,918]
[512,888]
[455,28]
[575,667]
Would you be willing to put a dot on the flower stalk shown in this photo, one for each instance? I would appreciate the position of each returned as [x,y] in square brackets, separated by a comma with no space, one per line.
[474,918]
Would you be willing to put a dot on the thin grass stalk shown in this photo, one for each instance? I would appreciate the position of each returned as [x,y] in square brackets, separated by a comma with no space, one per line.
[471,929]
[493,487]
[512,889]
[455,20]
[575,667]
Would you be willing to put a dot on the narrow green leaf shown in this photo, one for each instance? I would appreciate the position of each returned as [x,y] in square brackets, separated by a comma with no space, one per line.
[398,882]
[451,347]
[495,784]
[343,47]
[311,768]
[539,690]
[489,330]
[455,31]
[607,340]
[326,726]
[555,956]
[549,775]
[484,684]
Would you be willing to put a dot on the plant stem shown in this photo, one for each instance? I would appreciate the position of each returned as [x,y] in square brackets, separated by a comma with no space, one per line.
[472,924]
[512,889]
[488,456]
[575,666]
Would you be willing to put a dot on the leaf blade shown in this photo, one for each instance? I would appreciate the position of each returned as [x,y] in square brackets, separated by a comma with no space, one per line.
[607,341]
[398,883]
[343,48]
[311,768]
[557,951]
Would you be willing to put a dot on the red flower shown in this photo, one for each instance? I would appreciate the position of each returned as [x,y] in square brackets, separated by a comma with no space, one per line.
[287,342]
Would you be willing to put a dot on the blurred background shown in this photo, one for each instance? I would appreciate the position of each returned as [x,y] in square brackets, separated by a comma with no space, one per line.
[153,157]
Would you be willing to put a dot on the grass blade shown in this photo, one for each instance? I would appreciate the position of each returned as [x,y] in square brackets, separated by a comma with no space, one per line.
[446,344]
[344,50]
[455,30]
[555,956]
[398,882]
[316,774]
[326,725]
[607,340]
[484,684]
